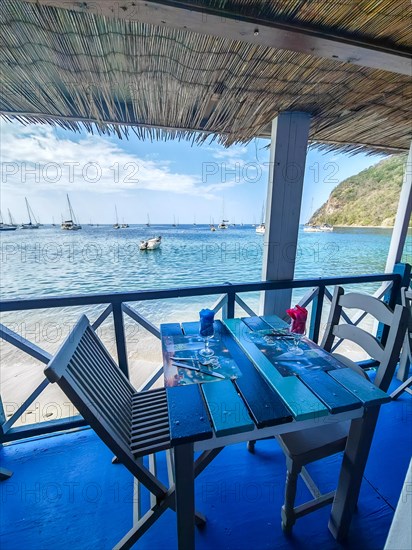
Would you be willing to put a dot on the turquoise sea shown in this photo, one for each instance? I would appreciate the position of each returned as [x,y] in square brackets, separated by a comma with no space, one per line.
[96,259]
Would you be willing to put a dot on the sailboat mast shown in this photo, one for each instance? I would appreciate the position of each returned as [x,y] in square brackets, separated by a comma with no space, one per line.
[10,217]
[28,209]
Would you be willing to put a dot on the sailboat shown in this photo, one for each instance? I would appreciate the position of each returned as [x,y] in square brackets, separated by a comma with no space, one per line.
[70,224]
[116,225]
[224,224]
[124,225]
[11,219]
[261,228]
[5,226]
[32,218]
[212,224]
[323,228]
[148,221]
[174,222]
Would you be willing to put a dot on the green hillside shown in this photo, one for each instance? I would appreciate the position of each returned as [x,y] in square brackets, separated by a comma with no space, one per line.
[368,198]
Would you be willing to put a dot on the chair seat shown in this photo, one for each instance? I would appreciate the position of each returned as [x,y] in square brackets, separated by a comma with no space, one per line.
[306,446]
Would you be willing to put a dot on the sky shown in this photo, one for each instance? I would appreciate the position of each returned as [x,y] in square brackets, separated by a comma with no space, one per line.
[166,181]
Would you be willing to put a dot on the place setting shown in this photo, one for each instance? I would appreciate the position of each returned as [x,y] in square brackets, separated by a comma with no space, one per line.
[199,357]
[288,349]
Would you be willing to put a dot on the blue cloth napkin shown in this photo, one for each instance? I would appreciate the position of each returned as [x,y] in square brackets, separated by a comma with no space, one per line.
[207,316]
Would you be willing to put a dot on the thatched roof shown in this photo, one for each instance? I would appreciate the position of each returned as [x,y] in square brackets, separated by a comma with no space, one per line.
[116,75]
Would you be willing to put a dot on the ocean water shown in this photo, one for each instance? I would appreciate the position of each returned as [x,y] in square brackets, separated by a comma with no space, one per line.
[96,259]
[99,259]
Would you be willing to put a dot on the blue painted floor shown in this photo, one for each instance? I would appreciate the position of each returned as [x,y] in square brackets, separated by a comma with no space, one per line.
[66,494]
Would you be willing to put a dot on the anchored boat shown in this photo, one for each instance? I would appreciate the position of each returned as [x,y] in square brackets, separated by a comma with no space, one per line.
[324,228]
[261,228]
[32,218]
[7,226]
[70,224]
[150,244]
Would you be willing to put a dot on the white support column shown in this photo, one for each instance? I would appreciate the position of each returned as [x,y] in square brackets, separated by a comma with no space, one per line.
[290,132]
[403,216]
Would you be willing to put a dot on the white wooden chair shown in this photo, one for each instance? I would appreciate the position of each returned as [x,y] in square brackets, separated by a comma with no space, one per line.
[406,355]
[306,446]
[132,424]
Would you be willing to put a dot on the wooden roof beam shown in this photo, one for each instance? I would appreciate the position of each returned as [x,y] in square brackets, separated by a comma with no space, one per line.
[279,35]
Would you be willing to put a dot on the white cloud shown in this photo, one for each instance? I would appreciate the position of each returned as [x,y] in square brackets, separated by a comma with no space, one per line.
[34,156]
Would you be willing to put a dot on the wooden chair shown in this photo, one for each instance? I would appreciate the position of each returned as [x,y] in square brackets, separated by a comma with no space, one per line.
[406,355]
[132,424]
[306,446]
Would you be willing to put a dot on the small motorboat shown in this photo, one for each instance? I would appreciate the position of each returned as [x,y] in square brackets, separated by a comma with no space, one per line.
[261,229]
[150,244]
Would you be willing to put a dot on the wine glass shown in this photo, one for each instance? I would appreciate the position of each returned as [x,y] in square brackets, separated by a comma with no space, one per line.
[297,334]
[206,352]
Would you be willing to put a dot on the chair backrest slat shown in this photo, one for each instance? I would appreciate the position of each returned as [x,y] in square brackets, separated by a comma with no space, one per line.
[93,395]
[100,363]
[359,336]
[369,304]
[121,385]
[118,409]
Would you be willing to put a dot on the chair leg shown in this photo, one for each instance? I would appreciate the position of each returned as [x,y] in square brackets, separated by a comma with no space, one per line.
[288,509]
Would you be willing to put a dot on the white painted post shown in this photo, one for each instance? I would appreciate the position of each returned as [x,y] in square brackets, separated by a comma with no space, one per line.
[290,132]
[403,216]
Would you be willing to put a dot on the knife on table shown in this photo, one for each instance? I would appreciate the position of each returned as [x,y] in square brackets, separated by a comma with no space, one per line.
[197,369]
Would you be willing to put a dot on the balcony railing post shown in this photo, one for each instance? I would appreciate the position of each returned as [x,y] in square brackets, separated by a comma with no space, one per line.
[120,338]
[2,421]
[315,319]
[230,310]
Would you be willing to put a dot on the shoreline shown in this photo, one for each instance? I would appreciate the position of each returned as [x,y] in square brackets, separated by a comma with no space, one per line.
[364,226]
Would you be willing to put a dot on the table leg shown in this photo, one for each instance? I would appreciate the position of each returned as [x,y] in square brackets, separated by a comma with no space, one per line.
[185,495]
[351,473]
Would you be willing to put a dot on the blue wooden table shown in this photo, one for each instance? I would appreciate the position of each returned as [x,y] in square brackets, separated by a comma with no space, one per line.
[265,391]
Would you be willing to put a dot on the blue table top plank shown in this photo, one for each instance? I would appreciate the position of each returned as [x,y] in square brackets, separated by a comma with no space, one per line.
[188,418]
[336,398]
[361,388]
[264,405]
[256,323]
[296,396]
[190,328]
[170,329]
[275,322]
[228,412]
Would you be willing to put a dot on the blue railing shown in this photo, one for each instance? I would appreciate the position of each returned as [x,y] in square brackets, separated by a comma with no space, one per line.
[117,305]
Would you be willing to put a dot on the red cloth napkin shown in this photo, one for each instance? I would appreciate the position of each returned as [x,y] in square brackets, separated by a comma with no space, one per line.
[298,314]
